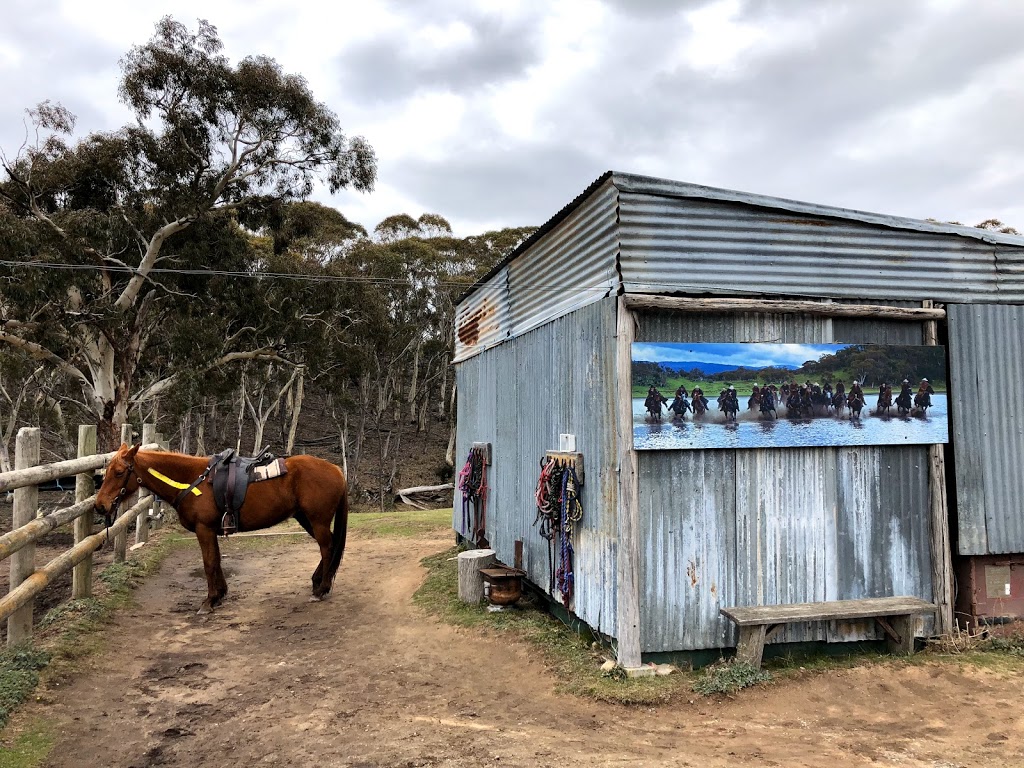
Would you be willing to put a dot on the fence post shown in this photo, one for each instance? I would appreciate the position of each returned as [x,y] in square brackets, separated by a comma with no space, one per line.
[81,580]
[23,562]
[165,510]
[121,538]
[142,523]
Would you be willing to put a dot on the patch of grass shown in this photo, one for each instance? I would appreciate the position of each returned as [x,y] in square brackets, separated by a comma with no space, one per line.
[19,675]
[29,748]
[1012,646]
[400,523]
[572,656]
[728,677]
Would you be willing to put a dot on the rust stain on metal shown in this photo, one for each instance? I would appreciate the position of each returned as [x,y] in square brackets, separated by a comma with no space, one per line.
[714,590]
[691,571]
[475,323]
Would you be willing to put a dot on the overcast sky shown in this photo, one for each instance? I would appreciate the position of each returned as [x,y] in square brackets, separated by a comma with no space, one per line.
[499,113]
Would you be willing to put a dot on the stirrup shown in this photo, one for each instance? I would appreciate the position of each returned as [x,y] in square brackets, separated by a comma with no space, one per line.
[227,524]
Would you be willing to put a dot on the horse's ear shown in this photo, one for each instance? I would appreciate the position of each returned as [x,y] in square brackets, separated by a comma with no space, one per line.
[130,454]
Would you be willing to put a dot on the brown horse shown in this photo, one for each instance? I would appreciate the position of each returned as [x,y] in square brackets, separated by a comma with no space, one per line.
[313,491]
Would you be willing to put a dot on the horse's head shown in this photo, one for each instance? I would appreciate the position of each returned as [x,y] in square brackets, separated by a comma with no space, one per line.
[119,482]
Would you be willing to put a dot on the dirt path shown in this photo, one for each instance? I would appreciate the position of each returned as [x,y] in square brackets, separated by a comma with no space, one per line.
[366,679]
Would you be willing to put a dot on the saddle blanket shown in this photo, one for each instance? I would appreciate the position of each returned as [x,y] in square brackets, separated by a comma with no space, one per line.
[269,471]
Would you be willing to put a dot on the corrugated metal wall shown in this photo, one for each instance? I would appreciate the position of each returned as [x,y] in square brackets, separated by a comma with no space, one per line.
[769,527]
[986,347]
[519,396]
[691,245]
[571,267]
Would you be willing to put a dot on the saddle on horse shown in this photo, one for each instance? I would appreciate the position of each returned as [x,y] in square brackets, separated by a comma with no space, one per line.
[231,476]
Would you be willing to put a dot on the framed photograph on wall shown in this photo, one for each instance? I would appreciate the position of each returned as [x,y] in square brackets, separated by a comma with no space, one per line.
[762,395]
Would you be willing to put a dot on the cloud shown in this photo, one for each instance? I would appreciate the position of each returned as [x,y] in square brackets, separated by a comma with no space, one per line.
[745,355]
[501,114]
[460,53]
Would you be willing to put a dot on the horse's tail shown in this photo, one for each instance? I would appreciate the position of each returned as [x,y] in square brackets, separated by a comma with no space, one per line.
[338,536]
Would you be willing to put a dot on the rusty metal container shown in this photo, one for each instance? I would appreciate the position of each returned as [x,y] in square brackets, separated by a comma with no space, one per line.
[502,585]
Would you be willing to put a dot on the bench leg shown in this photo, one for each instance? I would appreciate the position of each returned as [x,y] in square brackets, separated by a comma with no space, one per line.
[751,645]
[903,627]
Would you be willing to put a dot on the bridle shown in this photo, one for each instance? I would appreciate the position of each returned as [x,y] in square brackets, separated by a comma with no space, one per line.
[129,471]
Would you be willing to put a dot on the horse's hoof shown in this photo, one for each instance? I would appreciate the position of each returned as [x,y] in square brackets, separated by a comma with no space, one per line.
[315,599]
[204,611]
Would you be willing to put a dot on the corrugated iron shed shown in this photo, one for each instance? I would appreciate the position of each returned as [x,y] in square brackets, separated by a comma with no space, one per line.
[536,351]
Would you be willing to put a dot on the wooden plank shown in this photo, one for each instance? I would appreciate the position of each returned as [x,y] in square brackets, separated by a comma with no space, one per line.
[23,562]
[121,537]
[941,555]
[686,304]
[142,524]
[627,630]
[828,611]
[750,648]
[904,643]
[81,579]
[40,526]
[21,597]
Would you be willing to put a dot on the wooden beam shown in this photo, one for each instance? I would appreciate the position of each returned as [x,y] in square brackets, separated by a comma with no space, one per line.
[85,491]
[941,555]
[23,562]
[21,597]
[38,527]
[628,549]
[638,301]
[21,478]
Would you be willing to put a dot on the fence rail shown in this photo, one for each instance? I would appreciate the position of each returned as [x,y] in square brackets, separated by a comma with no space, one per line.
[18,545]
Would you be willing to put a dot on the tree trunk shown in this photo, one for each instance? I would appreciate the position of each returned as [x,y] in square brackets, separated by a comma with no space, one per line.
[296,410]
[201,432]
[241,414]
[412,384]
[449,455]
[444,390]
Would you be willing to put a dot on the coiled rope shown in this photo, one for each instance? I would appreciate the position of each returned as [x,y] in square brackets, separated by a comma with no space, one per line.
[473,484]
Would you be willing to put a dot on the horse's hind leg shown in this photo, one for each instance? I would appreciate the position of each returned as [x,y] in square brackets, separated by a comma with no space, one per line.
[322,534]
[303,520]
[216,585]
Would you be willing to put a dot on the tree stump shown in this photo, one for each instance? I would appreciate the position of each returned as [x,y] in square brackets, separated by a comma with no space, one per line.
[471,582]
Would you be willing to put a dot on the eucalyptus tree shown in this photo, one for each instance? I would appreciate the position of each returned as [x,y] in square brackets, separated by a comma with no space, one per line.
[103,221]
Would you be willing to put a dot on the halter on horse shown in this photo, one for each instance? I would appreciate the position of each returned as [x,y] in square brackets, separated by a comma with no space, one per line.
[312,490]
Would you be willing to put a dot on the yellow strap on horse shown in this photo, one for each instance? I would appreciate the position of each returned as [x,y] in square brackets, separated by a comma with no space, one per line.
[172,483]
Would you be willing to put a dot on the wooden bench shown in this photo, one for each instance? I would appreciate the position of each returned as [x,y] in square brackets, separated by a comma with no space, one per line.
[895,615]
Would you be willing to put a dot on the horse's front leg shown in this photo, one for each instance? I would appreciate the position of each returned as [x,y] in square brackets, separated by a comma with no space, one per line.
[216,585]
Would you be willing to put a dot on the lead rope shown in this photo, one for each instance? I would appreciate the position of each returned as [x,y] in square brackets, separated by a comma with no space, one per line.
[571,513]
[473,484]
[558,511]
[548,511]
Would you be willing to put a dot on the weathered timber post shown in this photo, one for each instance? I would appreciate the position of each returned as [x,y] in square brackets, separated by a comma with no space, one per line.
[149,435]
[471,582]
[627,560]
[81,580]
[121,537]
[23,562]
[942,557]
[164,510]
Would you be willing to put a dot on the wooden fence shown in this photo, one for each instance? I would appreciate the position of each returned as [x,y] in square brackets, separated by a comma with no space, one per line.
[28,580]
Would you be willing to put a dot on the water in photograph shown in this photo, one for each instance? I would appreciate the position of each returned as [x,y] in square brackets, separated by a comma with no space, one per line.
[751,431]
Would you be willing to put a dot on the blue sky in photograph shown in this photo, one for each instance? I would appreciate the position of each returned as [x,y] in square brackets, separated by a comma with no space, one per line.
[752,355]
